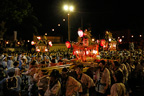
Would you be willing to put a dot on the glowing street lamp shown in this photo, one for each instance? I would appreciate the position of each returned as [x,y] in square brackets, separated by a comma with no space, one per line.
[68,9]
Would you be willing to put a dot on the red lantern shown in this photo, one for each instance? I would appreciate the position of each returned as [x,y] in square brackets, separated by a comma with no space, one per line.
[68,45]
[102,42]
[39,38]
[32,42]
[50,43]
[80,33]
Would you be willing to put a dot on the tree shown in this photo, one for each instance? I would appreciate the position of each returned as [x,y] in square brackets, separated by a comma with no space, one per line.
[13,13]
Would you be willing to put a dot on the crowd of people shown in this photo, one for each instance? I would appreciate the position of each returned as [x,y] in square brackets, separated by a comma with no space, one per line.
[25,74]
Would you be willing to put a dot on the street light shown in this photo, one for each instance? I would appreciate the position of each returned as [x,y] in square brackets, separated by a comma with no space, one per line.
[68,9]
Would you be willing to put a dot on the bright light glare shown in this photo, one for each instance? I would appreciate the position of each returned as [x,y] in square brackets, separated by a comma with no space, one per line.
[71,8]
[68,8]
[65,7]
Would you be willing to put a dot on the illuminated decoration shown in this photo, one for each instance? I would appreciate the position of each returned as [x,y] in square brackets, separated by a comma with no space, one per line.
[42,45]
[63,19]
[109,43]
[120,40]
[109,39]
[97,41]
[46,50]
[32,42]
[112,45]
[39,38]
[80,33]
[50,43]
[7,42]
[102,43]
[45,33]
[38,50]
[85,49]
[28,40]
[140,35]
[18,43]
[93,39]
[68,45]
[58,24]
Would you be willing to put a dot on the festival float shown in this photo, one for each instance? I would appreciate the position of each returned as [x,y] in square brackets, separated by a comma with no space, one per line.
[109,43]
[42,44]
[85,49]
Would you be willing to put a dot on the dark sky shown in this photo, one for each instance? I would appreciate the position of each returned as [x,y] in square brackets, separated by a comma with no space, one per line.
[99,15]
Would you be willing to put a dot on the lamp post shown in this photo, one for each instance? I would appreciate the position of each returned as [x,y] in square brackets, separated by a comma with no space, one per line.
[69,9]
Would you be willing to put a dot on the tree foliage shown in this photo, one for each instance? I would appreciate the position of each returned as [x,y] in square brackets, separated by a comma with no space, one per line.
[14,10]
[17,15]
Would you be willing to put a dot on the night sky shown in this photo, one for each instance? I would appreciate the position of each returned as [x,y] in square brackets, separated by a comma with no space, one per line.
[98,15]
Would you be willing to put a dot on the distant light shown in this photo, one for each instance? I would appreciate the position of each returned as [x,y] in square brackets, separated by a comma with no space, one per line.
[68,13]
[93,39]
[28,40]
[45,33]
[132,36]
[140,35]
[118,37]
[18,42]
[58,24]
[7,42]
[63,19]
[122,36]
[52,29]
[32,43]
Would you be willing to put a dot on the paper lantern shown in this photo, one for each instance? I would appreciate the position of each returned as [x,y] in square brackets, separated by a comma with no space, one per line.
[102,42]
[39,38]
[50,43]
[68,45]
[32,42]
[80,33]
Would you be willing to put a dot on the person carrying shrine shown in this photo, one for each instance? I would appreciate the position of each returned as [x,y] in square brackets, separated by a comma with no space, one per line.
[103,80]
[69,85]
[85,80]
